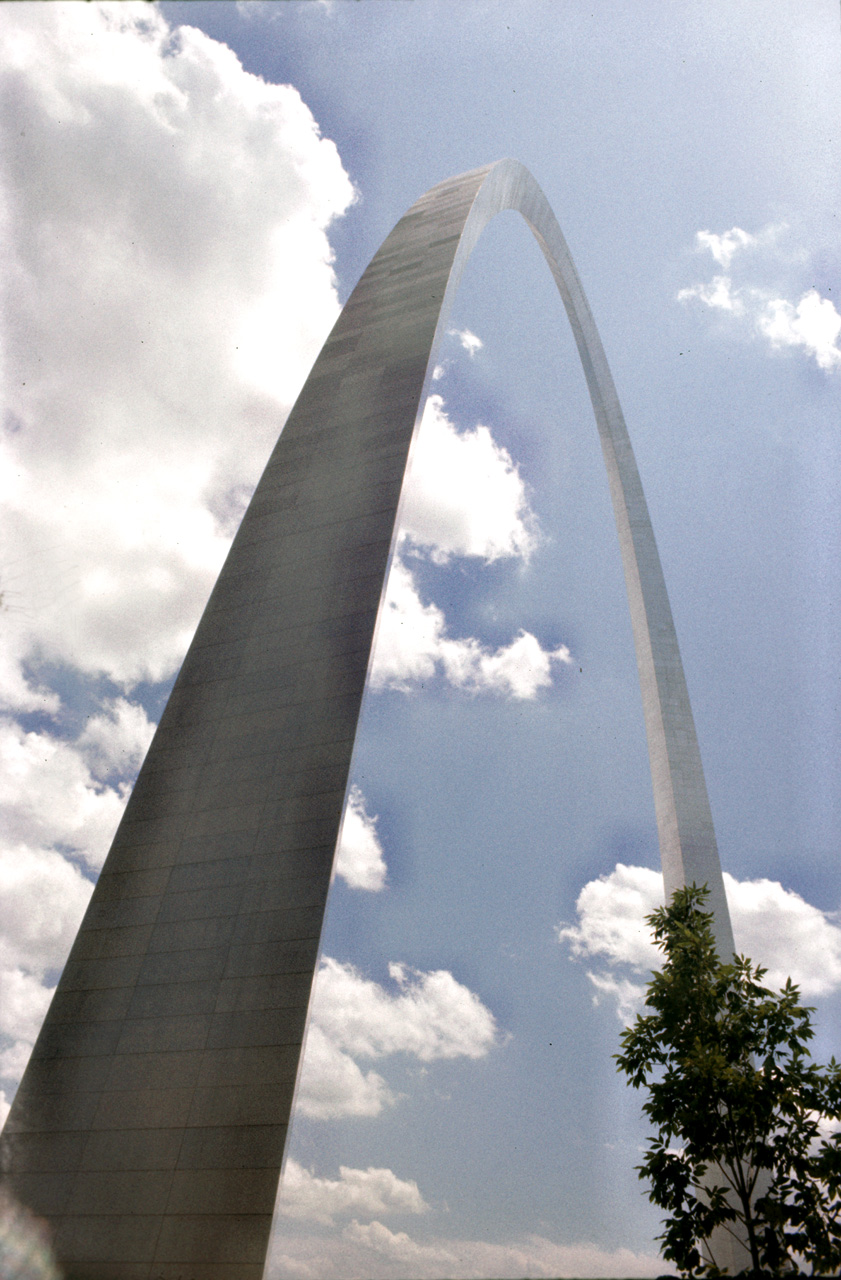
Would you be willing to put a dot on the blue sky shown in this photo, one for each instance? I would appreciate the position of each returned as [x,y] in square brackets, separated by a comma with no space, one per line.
[181,229]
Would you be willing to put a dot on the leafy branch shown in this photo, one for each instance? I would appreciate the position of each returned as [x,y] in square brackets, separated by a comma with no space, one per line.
[744,1144]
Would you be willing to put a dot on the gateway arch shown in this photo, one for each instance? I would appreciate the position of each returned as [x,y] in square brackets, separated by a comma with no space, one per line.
[150,1125]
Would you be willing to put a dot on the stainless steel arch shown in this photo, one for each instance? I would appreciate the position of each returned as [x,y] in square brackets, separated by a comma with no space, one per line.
[150,1124]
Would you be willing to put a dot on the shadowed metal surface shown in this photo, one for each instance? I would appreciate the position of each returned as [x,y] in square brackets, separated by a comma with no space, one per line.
[150,1125]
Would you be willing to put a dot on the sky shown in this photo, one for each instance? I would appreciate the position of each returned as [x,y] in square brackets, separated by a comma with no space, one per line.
[188,194]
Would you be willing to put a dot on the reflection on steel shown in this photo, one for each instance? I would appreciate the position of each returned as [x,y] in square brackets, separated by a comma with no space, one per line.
[149,1128]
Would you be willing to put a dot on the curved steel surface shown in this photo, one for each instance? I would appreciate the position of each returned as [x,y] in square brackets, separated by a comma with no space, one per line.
[150,1125]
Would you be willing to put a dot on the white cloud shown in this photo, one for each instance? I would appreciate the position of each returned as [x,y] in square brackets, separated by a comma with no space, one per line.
[42,899]
[56,805]
[374,1250]
[38,939]
[14,1057]
[168,283]
[611,927]
[49,793]
[333,1085]
[468,340]
[116,740]
[774,926]
[24,1002]
[430,1016]
[627,995]
[813,323]
[399,1247]
[723,247]
[359,858]
[519,669]
[611,915]
[791,938]
[464,495]
[412,647]
[369,1192]
[718,294]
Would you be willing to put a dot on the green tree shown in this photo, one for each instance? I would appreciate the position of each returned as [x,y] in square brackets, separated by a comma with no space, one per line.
[742,1142]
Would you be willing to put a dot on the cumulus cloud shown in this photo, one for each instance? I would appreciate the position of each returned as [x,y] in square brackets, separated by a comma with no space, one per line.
[413,646]
[812,323]
[168,282]
[116,740]
[611,915]
[431,1015]
[42,899]
[725,246]
[464,497]
[24,1002]
[791,938]
[375,1250]
[362,1192]
[428,1016]
[359,857]
[468,340]
[37,940]
[772,925]
[464,494]
[718,294]
[51,790]
[332,1084]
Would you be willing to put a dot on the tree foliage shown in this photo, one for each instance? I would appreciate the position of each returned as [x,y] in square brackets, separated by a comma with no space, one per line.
[746,1137]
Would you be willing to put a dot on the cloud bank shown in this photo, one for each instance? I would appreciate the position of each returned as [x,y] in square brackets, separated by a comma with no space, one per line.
[372,1249]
